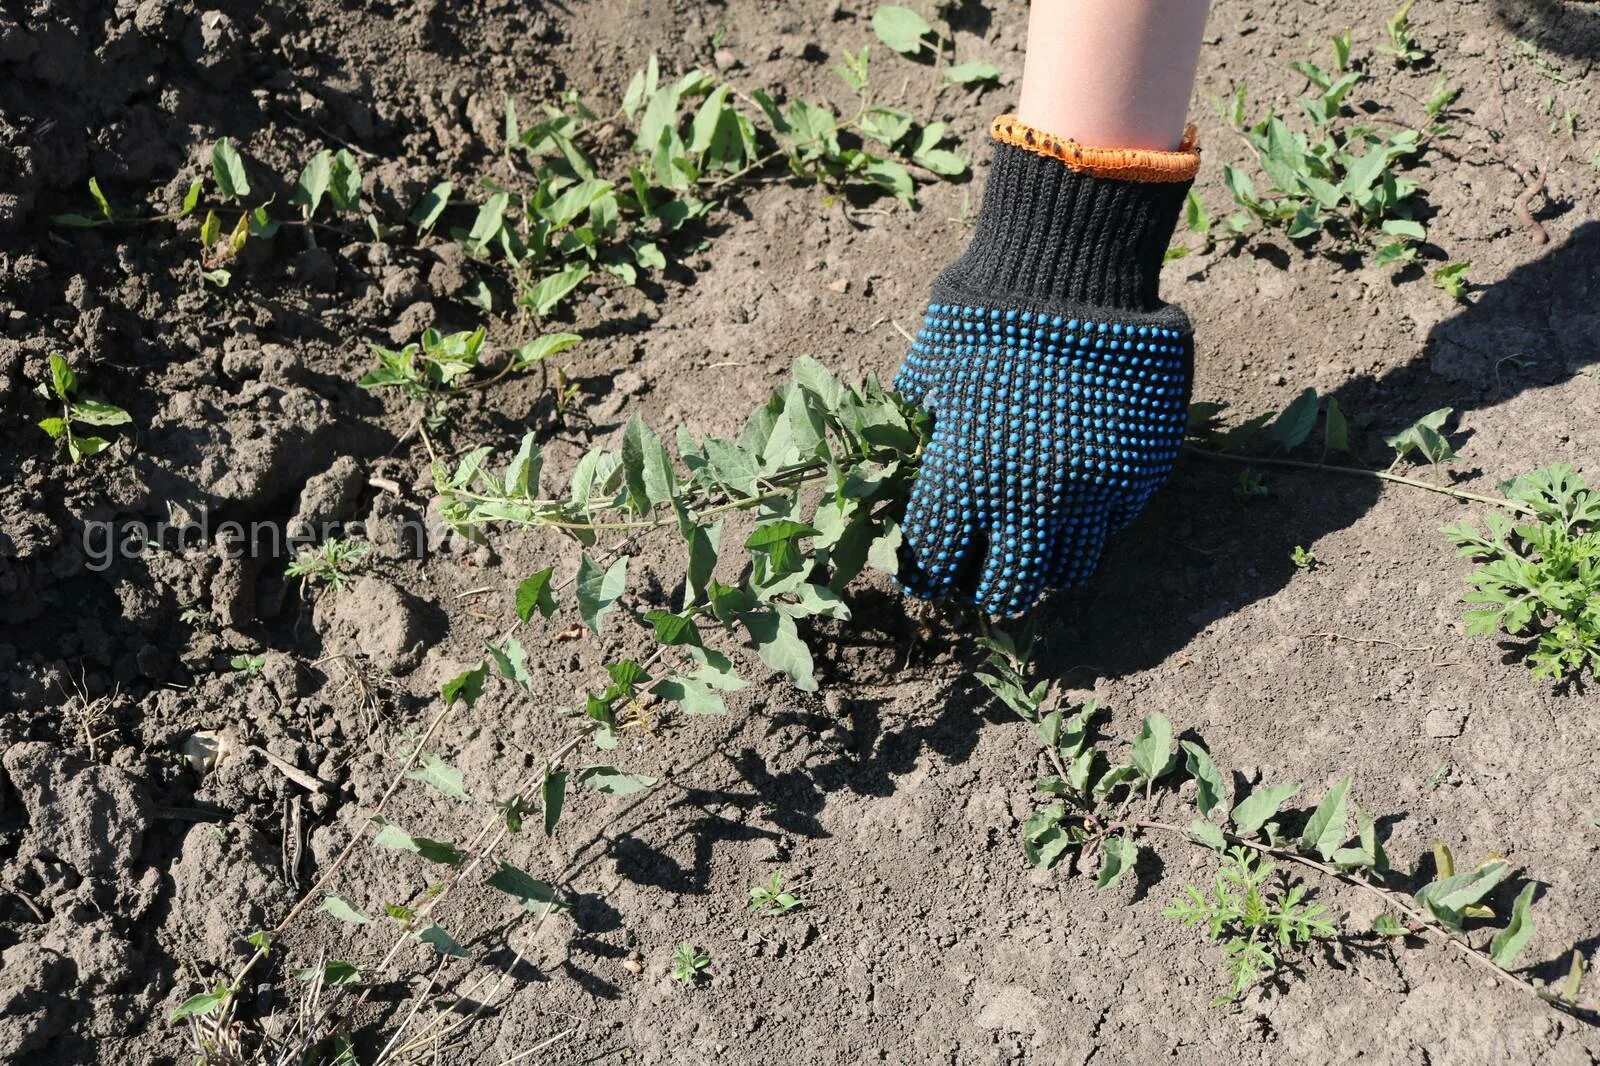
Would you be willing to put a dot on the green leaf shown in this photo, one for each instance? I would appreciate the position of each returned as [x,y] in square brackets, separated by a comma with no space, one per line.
[1117,856]
[691,693]
[191,199]
[432,206]
[53,426]
[442,942]
[333,973]
[83,447]
[1336,432]
[1210,789]
[99,198]
[900,28]
[1509,942]
[1207,834]
[542,348]
[466,687]
[1326,829]
[545,296]
[553,793]
[704,543]
[533,594]
[228,168]
[62,379]
[598,590]
[1152,749]
[99,413]
[342,909]
[313,183]
[440,775]
[1403,227]
[198,1006]
[1447,899]
[780,647]
[1256,809]
[344,187]
[1195,217]
[972,73]
[211,232]
[530,893]
[1388,925]
[1295,424]
[390,835]
[673,629]
[614,782]
[646,467]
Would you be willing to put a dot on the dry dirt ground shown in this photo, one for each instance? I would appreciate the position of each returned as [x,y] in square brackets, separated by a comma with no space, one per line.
[127,882]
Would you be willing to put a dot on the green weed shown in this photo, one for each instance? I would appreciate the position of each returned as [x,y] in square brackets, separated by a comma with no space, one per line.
[1400,44]
[1340,178]
[63,388]
[1538,580]
[1303,558]
[246,664]
[329,564]
[770,897]
[688,963]
[1452,278]
[1254,920]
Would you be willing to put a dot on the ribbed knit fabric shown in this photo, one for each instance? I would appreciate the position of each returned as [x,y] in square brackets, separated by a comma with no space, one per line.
[1057,379]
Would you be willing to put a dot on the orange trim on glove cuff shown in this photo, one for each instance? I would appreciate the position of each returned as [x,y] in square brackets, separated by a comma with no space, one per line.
[1124,164]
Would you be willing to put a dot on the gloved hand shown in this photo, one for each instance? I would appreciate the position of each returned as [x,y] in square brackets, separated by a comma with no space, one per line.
[1057,379]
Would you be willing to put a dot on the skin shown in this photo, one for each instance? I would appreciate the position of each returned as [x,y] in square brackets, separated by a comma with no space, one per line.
[1112,73]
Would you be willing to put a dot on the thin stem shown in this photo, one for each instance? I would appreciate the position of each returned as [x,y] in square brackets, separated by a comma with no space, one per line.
[1359,471]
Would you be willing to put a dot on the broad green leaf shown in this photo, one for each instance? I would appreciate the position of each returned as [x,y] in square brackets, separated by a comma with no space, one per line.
[1117,856]
[1210,789]
[342,909]
[673,629]
[780,647]
[99,198]
[598,590]
[1259,807]
[99,413]
[1152,749]
[1447,898]
[313,183]
[344,185]
[390,835]
[83,447]
[53,426]
[490,220]
[432,206]
[1404,227]
[333,973]
[972,73]
[198,1006]
[553,793]
[466,687]
[533,594]
[704,543]
[1207,834]
[439,775]
[614,782]
[1295,424]
[530,893]
[228,168]
[1326,829]
[1388,925]
[1336,430]
[542,348]
[1509,942]
[62,379]
[693,693]
[900,28]
[546,295]
[442,942]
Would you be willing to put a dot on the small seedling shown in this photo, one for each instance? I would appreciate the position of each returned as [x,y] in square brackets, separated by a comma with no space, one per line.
[1539,580]
[248,664]
[331,563]
[426,367]
[769,897]
[1401,45]
[1426,437]
[1254,920]
[1249,486]
[63,386]
[1304,558]
[1452,278]
[688,963]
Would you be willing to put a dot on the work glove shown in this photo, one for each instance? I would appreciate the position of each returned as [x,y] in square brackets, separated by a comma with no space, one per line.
[1057,379]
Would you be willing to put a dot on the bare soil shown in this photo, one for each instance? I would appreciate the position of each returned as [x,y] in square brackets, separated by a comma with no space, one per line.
[128,881]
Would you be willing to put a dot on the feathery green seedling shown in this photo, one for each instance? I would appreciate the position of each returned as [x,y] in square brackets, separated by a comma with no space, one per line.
[1340,178]
[689,962]
[330,563]
[1401,44]
[1255,920]
[63,387]
[1538,581]
[770,897]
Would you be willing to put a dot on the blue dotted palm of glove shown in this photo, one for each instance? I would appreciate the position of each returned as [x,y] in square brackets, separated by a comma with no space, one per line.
[1050,433]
